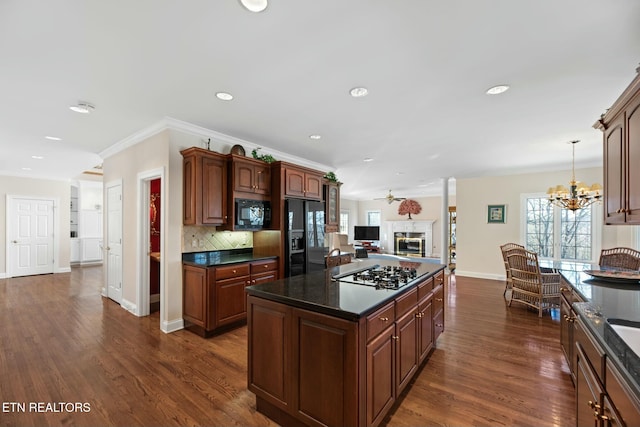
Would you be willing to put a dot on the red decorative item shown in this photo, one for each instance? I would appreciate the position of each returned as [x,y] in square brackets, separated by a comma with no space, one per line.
[409,207]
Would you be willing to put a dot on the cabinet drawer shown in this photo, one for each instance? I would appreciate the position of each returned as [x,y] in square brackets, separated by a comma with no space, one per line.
[438,299]
[438,279]
[438,325]
[231,271]
[406,302]
[380,320]
[425,288]
[592,351]
[262,266]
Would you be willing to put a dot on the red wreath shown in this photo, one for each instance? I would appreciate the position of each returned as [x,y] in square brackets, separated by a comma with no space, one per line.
[409,207]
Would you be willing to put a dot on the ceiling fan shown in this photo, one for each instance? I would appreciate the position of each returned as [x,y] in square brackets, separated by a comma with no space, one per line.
[390,198]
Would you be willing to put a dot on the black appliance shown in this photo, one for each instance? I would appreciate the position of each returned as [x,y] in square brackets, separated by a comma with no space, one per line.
[252,214]
[305,248]
[386,277]
[366,232]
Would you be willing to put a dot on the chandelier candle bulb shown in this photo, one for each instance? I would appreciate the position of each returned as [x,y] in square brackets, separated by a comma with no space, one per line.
[578,195]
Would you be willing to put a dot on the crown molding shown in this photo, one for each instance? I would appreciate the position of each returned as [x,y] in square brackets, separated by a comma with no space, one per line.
[169,123]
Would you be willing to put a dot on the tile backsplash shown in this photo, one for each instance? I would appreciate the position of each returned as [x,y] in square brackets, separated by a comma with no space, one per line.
[200,239]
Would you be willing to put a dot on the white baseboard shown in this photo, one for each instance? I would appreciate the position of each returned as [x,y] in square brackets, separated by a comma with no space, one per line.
[129,306]
[63,270]
[479,275]
[3,275]
[172,326]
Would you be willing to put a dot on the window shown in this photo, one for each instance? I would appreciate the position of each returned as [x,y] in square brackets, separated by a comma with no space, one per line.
[557,233]
[344,222]
[373,217]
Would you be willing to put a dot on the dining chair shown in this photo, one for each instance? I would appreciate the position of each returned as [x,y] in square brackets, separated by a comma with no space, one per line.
[505,249]
[530,285]
[620,258]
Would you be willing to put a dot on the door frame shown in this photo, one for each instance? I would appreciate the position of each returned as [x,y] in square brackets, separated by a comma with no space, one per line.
[9,206]
[144,231]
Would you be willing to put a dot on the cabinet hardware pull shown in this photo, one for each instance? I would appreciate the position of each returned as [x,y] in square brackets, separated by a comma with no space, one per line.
[384,319]
[439,325]
[439,299]
[266,266]
[563,289]
[593,405]
[395,337]
[234,272]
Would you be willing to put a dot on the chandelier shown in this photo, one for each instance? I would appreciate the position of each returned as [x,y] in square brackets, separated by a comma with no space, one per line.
[578,195]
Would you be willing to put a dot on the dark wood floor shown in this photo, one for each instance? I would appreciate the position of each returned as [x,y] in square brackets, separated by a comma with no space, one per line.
[60,341]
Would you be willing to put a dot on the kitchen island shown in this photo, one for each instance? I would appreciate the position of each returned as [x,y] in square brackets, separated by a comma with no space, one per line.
[600,335]
[327,349]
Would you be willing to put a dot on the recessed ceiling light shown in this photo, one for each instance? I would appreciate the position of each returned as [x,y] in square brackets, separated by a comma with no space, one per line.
[316,137]
[53,138]
[496,90]
[399,173]
[37,157]
[368,159]
[82,108]
[434,156]
[224,96]
[359,92]
[254,5]
[26,169]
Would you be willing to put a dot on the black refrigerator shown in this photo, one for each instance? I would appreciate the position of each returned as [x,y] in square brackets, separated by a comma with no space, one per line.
[305,248]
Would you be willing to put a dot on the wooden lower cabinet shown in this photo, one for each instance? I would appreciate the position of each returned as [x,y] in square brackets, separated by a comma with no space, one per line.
[603,396]
[324,370]
[215,298]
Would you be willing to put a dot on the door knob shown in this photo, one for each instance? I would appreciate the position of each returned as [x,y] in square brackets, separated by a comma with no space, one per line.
[14,241]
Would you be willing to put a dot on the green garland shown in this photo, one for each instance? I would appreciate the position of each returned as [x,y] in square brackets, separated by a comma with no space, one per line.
[268,158]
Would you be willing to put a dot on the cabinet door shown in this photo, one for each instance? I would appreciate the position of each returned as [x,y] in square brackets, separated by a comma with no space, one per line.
[566,333]
[614,174]
[380,376]
[313,186]
[633,160]
[588,393]
[262,179]
[189,189]
[269,348]
[194,294]
[230,301]
[624,405]
[332,201]
[406,338]
[243,177]
[294,183]
[325,360]
[425,329]
[214,191]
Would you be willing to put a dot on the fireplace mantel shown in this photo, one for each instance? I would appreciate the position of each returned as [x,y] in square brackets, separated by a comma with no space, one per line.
[408,226]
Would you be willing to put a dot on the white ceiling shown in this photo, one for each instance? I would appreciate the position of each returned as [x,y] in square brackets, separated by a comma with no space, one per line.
[426,64]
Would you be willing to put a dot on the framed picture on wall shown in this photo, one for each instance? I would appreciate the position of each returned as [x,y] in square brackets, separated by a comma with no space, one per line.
[497,214]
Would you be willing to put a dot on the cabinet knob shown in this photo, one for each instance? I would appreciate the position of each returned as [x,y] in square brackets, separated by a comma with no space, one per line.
[266,266]
[439,325]
[395,337]
[234,271]
[439,299]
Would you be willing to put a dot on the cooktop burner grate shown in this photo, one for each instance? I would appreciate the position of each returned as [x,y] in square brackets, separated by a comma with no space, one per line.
[387,277]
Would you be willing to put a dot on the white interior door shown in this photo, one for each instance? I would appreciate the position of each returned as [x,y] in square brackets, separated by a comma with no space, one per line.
[114,242]
[31,237]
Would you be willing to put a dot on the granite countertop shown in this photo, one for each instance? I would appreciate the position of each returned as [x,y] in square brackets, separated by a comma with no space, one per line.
[318,292]
[608,300]
[214,258]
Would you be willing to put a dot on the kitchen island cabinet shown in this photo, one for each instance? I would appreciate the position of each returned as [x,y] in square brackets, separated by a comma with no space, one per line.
[604,365]
[323,352]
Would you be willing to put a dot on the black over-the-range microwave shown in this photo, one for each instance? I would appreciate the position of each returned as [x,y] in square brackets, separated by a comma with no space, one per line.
[252,214]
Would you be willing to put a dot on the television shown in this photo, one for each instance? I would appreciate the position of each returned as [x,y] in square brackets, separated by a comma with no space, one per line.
[362,232]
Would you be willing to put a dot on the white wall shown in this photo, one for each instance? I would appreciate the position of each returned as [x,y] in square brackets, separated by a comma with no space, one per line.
[60,190]
[478,252]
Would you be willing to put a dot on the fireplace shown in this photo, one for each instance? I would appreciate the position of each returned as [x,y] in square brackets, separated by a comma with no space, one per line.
[409,244]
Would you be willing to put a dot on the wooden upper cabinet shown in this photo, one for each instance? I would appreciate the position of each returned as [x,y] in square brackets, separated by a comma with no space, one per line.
[332,206]
[204,187]
[621,128]
[251,176]
[303,183]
